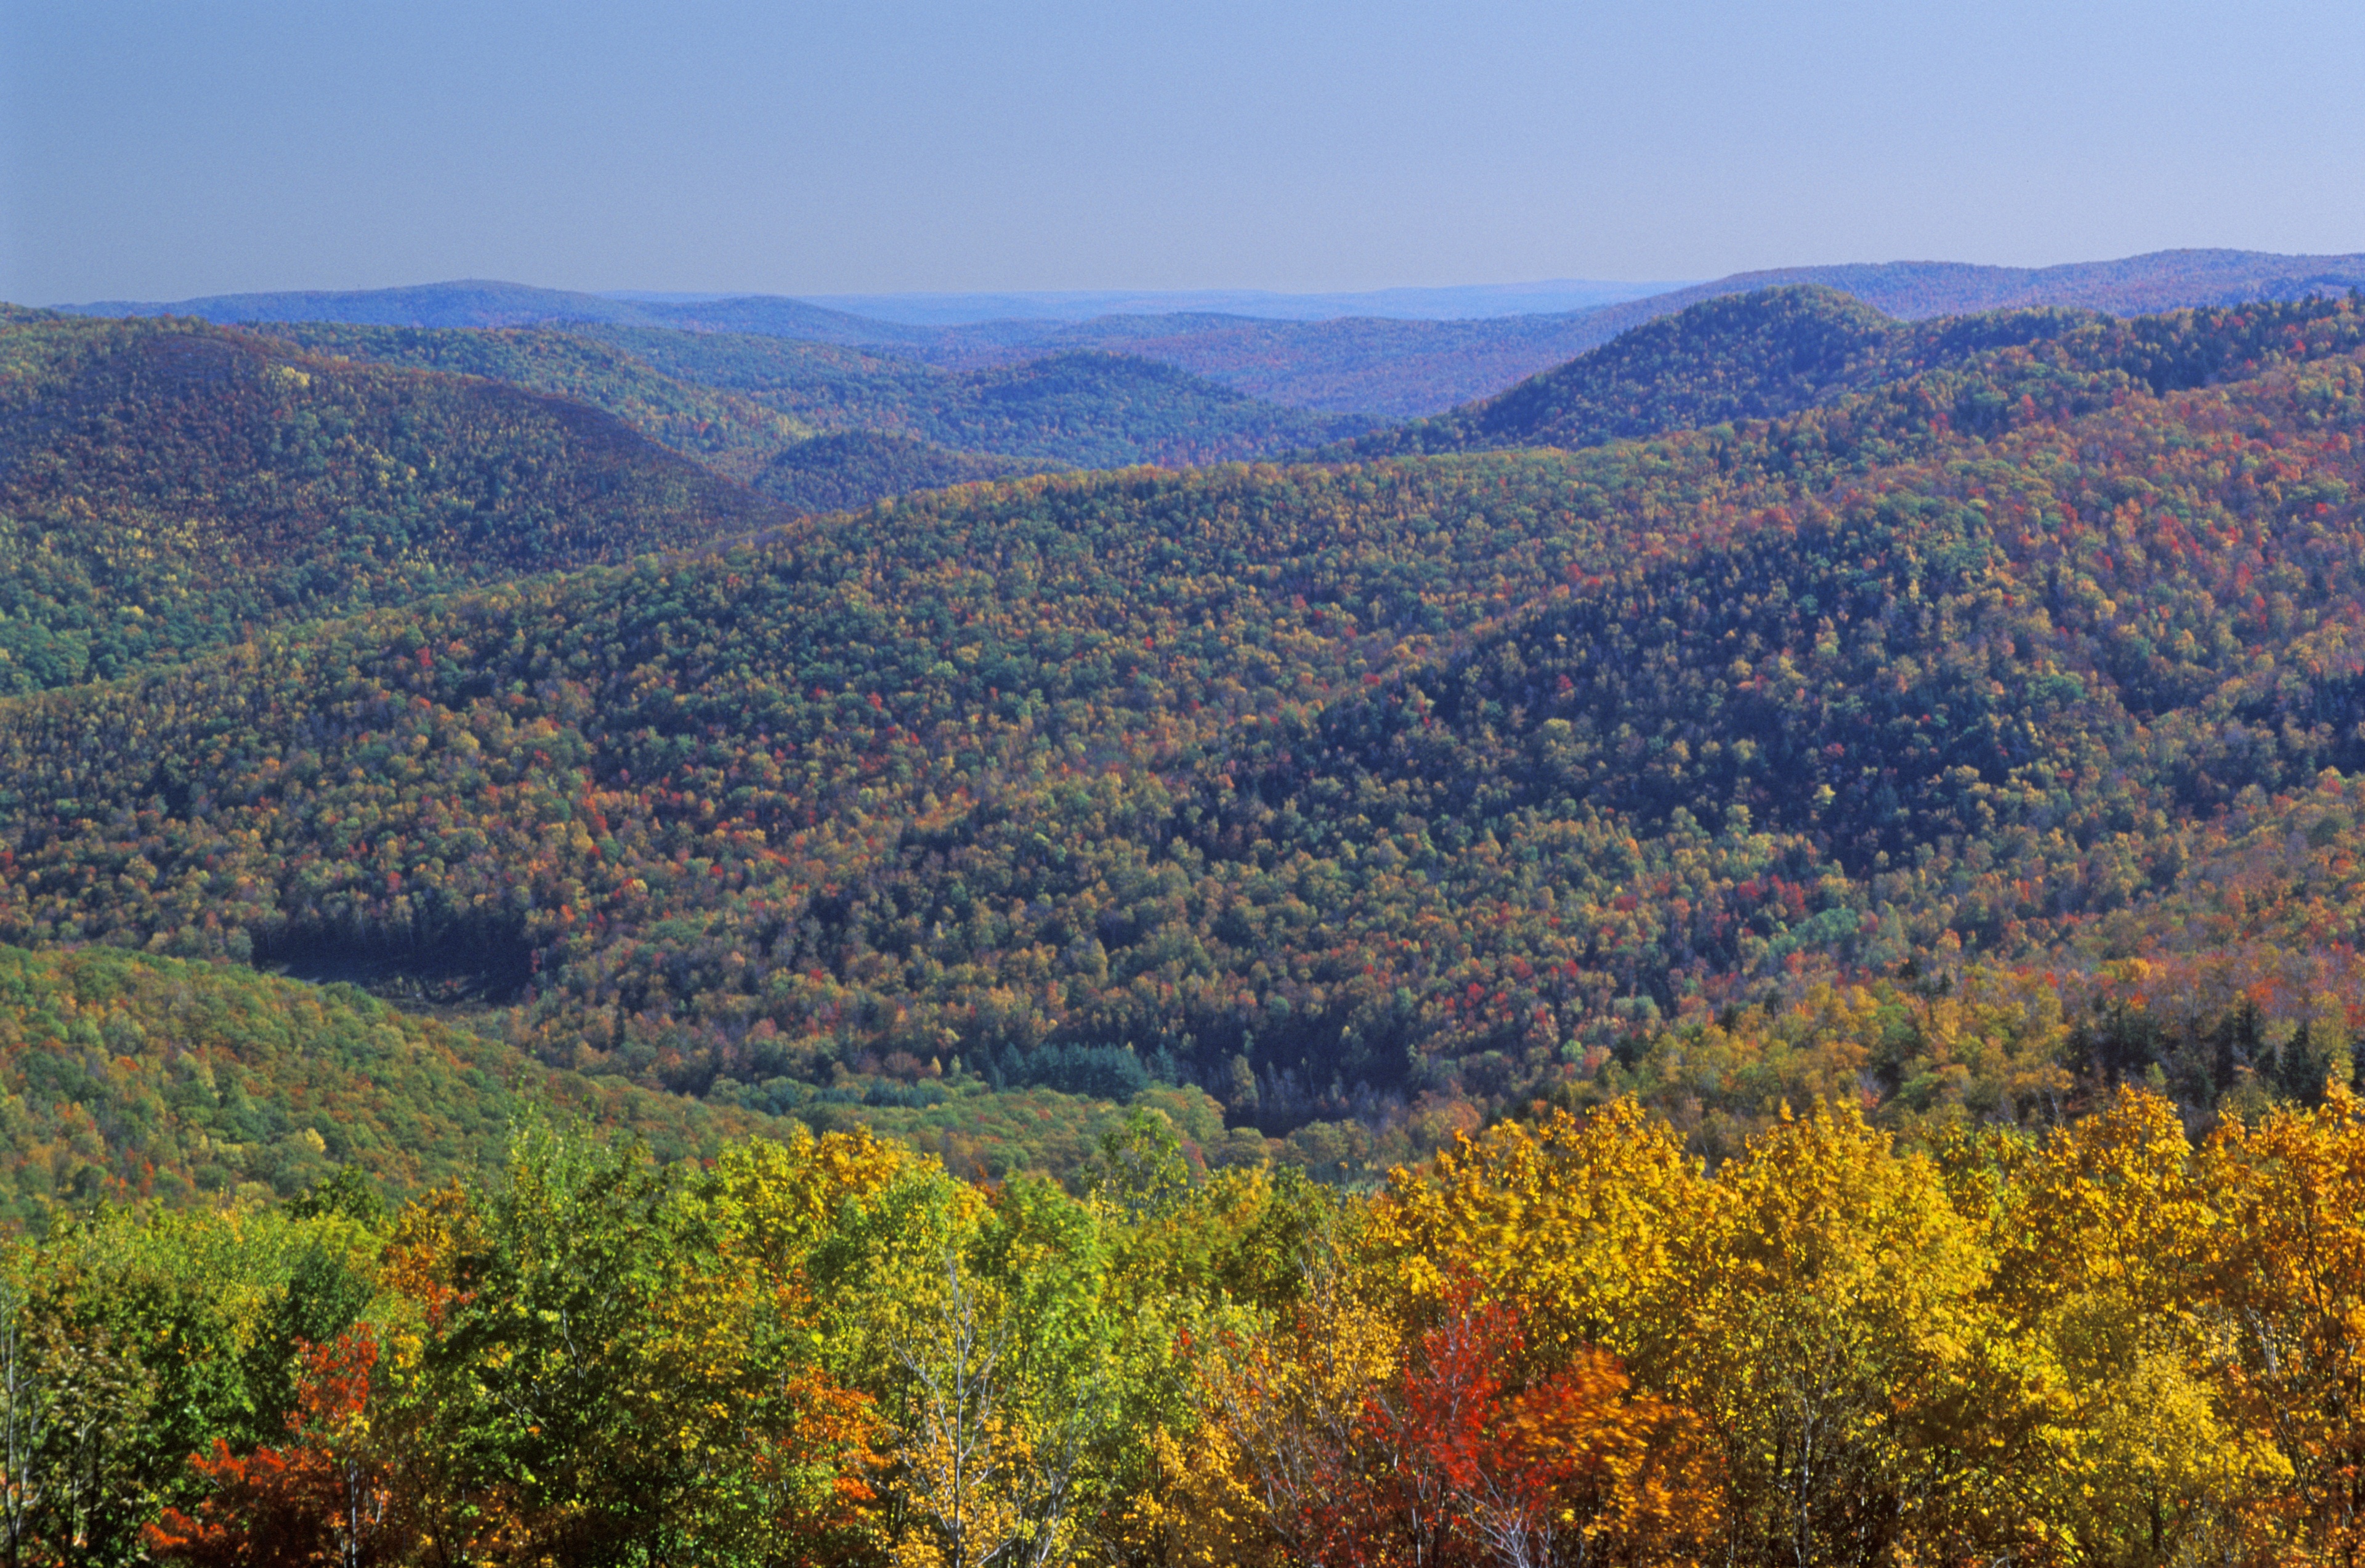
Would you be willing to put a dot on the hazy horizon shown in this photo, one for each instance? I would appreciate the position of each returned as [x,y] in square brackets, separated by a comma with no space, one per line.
[1443,302]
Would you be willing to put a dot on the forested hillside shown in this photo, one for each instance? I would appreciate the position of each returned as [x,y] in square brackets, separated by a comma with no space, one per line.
[1779,351]
[1388,368]
[1750,356]
[732,403]
[1369,797]
[128,1078]
[2132,286]
[1748,952]
[1082,409]
[167,487]
[1371,366]
[730,434]
[140,1079]
[837,473]
[740,403]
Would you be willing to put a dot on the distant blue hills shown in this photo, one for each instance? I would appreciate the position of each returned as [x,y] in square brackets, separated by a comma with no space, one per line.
[1390,354]
[479,303]
[1557,296]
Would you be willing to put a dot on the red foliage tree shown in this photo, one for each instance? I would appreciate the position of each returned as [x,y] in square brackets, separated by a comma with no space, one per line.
[317,1502]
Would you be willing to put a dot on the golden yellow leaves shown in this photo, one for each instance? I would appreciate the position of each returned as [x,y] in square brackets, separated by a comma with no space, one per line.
[1570,1223]
[2106,1345]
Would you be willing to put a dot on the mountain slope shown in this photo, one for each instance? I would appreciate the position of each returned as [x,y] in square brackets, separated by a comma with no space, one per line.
[1757,355]
[732,434]
[2132,286]
[855,468]
[1781,350]
[1399,369]
[738,401]
[1084,409]
[127,1076]
[1388,368]
[736,427]
[1385,368]
[169,485]
[1105,410]
[1350,793]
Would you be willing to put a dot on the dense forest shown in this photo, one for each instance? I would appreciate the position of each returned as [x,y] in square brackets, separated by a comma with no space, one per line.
[139,1079]
[856,468]
[1080,408]
[130,1078]
[1367,798]
[1746,951]
[1780,351]
[1388,368]
[709,421]
[167,487]
[750,406]
[1563,1343]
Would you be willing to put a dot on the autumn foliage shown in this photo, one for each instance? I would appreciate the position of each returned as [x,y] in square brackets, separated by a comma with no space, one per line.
[314,1500]
[1819,952]
[1369,799]
[1563,1343]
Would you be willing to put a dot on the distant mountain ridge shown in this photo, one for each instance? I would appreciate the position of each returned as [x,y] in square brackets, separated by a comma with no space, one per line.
[2132,286]
[1462,303]
[1771,352]
[472,302]
[466,302]
[1370,365]
[1760,356]
[167,487]
[740,401]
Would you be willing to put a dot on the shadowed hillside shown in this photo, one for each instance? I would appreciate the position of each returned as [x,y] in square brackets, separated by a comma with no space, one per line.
[1360,796]
[733,434]
[739,402]
[169,485]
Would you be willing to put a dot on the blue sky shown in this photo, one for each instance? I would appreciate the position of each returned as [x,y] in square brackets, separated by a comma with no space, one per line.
[159,151]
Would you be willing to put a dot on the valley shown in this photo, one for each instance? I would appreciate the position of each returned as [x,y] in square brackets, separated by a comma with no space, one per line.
[1362,931]
[1777,645]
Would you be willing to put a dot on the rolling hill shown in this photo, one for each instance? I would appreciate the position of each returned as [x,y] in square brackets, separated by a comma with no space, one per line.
[1083,408]
[728,432]
[1370,365]
[855,468]
[2132,286]
[476,302]
[1466,302]
[1781,350]
[1366,797]
[1899,784]
[137,1078]
[1759,355]
[739,402]
[169,485]
[125,1076]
